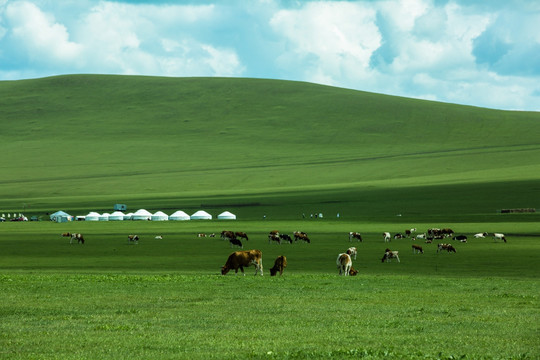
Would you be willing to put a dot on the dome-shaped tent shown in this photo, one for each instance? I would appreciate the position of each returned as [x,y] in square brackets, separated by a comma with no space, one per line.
[61,216]
[179,215]
[201,215]
[160,216]
[92,216]
[104,217]
[141,214]
[226,216]
[116,216]
[128,216]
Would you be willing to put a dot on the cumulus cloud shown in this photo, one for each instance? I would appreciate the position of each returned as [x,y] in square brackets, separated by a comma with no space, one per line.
[464,51]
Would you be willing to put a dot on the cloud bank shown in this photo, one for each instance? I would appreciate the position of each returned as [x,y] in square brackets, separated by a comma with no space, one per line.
[468,52]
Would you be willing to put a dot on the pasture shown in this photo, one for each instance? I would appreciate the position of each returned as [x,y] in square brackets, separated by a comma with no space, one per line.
[274,150]
[165,298]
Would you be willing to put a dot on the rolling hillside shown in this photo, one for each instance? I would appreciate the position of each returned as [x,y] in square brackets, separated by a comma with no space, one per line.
[84,142]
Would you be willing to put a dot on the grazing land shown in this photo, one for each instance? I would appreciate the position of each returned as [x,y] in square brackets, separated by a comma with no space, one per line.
[279,150]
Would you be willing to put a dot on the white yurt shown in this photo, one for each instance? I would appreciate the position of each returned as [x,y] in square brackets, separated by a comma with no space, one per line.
[141,214]
[179,216]
[104,217]
[92,216]
[201,215]
[160,216]
[116,216]
[226,216]
[128,216]
[60,216]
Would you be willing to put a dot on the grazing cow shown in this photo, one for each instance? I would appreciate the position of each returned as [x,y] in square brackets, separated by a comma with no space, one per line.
[159,237]
[355,235]
[461,238]
[227,234]
[417,249]
[300,235]
[353,271]
[497,236]
[399,236]
[386,236]
[235,241]
[352,251]
[242,235]
[274,232]
[240,259]
[447,247]
[66,234]
[78,237]
[447,232]
[480,235]
[201,235]
[389,254]
[279,265]
[344,264]
[212,235]
[285,237]
[274,237]
[421,236]
[133,239]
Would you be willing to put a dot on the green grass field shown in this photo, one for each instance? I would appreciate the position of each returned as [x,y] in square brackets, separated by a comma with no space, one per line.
[263,148]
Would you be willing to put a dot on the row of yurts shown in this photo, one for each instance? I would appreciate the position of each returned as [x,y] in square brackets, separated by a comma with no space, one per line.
[143,214]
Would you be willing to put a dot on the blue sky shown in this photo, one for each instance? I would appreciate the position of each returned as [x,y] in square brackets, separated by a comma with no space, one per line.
[481,53]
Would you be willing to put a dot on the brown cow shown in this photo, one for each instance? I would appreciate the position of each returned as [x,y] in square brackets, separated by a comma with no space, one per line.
[239,259]
[66,234]
[344,264]
[242,235]
[279,265]
[133,238]
[355,235]
[274,237]
[417,249]
[353,271]
[78,237]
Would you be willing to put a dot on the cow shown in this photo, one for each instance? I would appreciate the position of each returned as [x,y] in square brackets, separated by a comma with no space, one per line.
[417,249]
[240,259]
[201,235]
[353,272]
[344,264]
[409,232]
[274,232]
[242,235]
[235,241]
[389,254]
[66,234]
[497,236]
[279,265]
[461,238]
[355,235]
[285,237]
[352,251]
[387,237]
[480,235]
[159,237]
[298,235]
[225,234]
[399,236]
[447,247]
[274,237]
[78,237]
[133,239]
[421,236]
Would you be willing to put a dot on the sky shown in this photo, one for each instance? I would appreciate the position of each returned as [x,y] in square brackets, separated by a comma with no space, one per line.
[476,52]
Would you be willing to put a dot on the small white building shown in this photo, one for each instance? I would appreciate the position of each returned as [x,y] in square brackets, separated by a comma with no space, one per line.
[160,216]
[226,215]
[179,216]
[141,214]
[201,215]
[92,216]
[116,216]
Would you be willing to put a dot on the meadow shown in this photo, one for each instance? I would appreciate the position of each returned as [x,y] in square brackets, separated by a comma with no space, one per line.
[269,151]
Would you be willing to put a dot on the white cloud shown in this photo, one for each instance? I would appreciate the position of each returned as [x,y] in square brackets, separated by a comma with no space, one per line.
[40,35]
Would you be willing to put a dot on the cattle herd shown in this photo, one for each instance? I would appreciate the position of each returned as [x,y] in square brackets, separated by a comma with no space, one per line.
[245,258]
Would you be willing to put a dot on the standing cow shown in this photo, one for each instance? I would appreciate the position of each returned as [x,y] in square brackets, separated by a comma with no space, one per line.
[240,259]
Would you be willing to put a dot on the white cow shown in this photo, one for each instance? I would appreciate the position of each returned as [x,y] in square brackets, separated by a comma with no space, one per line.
[387,237]
[352,252]
[497,236]
[480,235]
[344,264]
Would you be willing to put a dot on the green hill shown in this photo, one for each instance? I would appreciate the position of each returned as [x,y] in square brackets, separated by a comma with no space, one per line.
[256,147]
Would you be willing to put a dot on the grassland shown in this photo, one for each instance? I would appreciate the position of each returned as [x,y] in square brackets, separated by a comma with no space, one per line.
[262,147]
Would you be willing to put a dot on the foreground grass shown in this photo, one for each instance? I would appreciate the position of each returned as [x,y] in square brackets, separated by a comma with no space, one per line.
[164,299]
[110,316]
